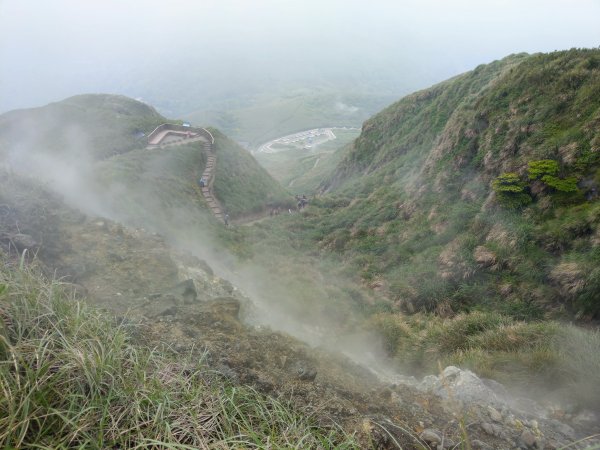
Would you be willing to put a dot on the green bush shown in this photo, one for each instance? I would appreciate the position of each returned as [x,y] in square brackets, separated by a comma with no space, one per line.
[510,191]
[589,298]
[562,185]
[537,169]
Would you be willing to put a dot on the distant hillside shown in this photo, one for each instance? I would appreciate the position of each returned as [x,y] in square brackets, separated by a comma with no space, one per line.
[480,192]
[256,119]
[91,148]
[302,171]
[104,125]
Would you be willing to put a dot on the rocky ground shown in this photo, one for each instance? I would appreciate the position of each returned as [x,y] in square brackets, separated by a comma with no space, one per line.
[165,297]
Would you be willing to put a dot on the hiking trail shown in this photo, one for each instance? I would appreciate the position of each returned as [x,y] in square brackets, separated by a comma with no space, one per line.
[168,135]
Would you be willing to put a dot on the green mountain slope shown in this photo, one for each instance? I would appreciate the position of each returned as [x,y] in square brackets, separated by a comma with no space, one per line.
[92,149]
[241,184]
[102,124]
[480,192]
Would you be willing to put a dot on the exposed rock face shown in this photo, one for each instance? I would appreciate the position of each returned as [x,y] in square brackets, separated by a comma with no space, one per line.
[185,291]
[228,306]
[463,386]
[520,423]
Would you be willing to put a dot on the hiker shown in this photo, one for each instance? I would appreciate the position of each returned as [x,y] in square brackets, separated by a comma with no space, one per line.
[226,220]
[202,182]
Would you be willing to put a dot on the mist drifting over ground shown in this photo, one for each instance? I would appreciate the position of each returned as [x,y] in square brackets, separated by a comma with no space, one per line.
[189,59]
[183,56]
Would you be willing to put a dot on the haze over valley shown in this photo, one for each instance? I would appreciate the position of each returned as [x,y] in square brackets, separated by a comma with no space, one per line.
[300,225]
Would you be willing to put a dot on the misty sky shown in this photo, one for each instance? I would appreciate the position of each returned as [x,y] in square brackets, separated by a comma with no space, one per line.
[53,49]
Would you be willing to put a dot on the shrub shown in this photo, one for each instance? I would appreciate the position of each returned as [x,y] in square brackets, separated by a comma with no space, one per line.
[568,184]
[508,182]
[589,298]
[538,169]
[510,191]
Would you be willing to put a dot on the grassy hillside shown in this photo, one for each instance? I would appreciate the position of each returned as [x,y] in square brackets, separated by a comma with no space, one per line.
[77,379]
[153,187]
[470,210]
[241,184]
[423,205]
[102,125]
[92,149]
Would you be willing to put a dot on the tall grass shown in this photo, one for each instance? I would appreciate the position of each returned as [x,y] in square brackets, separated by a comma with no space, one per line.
[71,378]
[553,357]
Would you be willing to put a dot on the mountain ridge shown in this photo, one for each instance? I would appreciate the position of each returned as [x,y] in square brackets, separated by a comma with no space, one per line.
[436,175]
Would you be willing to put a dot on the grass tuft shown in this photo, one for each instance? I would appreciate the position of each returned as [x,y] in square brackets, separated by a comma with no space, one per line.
[71,378]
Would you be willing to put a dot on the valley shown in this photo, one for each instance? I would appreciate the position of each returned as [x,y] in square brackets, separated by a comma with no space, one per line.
[301,161]
[304,140]
[440,288]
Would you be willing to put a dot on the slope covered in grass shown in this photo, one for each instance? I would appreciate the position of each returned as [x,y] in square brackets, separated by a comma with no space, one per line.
[73,378]
[155,186]
[480,192]
[99,125]
[95,145]
[241,184]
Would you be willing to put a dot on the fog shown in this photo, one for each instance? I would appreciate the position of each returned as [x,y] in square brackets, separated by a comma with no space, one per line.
[184,56]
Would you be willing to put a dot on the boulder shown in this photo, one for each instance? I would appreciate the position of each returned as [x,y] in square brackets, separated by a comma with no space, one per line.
[20,241]
[461,385]
[528,439]
[432,437]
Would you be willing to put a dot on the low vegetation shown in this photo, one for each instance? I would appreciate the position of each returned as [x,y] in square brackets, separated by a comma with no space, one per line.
[547,359]
[94,126]
[477,192]
[242,186]
[72,378]
[474,204]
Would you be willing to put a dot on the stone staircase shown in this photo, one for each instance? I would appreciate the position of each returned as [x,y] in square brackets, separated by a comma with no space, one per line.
[209,176]
[211,163]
